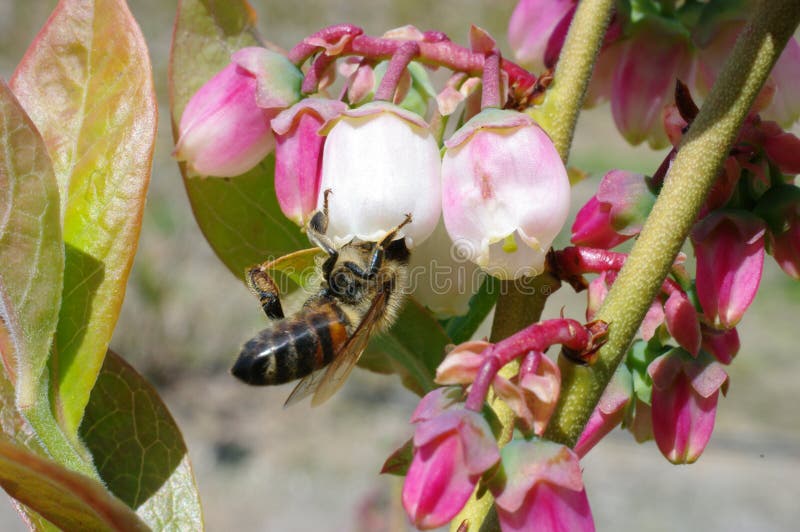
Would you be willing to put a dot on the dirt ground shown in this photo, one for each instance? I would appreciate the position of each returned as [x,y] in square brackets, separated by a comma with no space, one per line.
[260,467]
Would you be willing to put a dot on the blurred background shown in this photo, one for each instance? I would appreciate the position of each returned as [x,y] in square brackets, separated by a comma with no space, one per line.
[260,467]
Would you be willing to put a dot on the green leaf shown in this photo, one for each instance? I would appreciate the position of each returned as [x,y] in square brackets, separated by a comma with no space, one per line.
[86,82]
[400,460]
[412,348]
[67,499]
[31,250]
[139,450]
[239,217]
[32,259]
[462,328]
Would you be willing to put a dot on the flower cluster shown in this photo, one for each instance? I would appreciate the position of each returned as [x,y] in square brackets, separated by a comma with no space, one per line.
[537,483]
[690,332]
[376,150]
[647,47]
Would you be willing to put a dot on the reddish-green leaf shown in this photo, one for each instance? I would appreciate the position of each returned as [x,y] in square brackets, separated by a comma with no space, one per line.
[139,450]
[87,84]
[67,499]
[240,216]
[31,250]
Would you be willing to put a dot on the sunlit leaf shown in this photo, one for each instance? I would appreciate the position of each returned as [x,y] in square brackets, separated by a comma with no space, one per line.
[240,216]
[67,499]
[139,450]
[31,250]
[31,269]
[87,84]
[413,348]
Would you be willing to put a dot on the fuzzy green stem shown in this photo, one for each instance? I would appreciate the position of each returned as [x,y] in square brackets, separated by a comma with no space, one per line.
[692,175]
[559,112]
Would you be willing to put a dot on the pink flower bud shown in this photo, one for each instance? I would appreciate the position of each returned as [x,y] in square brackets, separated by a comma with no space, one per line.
[729,246]
[609,412]
[451,453]
[684,403]
[616,213]
[381,162]
[543,489]
[681,319]
[298,155]
[505,193]
[532,31]
[644,81]
[592,227]
[723,345]
[224,129]
[461,364]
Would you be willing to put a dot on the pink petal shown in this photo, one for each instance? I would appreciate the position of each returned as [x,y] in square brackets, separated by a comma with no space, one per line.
[437,485]
[550,508]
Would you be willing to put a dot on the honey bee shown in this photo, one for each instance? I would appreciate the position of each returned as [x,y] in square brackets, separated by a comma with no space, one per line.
[362,287]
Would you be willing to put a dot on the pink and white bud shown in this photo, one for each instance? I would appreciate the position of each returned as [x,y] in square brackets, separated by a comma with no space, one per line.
[608,413]
[729,247]
[681,320]
[381,162]
[451,453]
[542,489]
[298,155]
[532,30]
[224,130]
[723,345]
[505,193]
[644,81]
[684,403]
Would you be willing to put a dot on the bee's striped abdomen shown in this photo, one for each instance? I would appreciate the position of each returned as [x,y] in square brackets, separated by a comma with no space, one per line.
[293,348]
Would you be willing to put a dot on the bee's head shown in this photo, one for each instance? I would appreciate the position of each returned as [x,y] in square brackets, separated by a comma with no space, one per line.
[345,284]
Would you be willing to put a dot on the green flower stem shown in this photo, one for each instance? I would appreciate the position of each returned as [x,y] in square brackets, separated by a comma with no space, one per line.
[518,308]
[564,99]
[692,175]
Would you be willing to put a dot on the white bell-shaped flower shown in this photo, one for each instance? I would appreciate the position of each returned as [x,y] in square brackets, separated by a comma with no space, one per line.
[380,162]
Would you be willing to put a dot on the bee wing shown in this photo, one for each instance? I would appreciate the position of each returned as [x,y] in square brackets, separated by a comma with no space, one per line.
[305,387]
[347,357]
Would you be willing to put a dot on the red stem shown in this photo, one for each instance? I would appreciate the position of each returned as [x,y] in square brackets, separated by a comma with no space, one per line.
[434,50]
[315,73]
[490,95]
[397,66]
[536,337]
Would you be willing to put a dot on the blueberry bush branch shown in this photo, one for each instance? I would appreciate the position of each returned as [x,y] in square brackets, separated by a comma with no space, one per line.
[685,188]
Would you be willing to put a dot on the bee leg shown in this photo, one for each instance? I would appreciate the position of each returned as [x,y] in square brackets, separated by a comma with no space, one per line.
[318,226]
[377,254]
[266,290]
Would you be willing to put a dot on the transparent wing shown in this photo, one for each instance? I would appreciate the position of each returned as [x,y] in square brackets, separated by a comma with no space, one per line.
[305,387]
[347,357]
